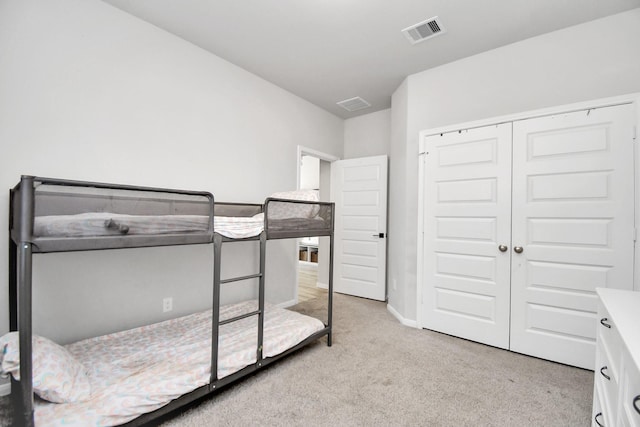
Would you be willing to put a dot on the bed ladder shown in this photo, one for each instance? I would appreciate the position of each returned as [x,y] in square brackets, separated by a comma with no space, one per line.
[218,240]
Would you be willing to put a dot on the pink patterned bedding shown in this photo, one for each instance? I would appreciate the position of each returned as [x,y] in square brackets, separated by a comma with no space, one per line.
[137,371]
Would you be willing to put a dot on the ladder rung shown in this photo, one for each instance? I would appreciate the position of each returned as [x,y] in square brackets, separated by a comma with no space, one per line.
[242,316]
[237,279]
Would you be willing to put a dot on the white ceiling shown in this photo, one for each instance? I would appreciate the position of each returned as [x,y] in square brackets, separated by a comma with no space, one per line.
[326,51]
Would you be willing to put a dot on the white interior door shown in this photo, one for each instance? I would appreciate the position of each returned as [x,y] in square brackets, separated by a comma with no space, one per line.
[359,190]
[573,206]
[467,214]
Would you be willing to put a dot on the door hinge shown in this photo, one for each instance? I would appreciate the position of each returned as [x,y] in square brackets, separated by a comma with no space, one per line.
[635,234]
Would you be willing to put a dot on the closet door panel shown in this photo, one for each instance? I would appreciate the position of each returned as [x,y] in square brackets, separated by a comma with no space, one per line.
[573,217]
[467,216]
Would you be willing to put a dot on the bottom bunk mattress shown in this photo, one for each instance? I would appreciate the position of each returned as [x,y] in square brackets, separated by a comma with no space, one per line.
[139,370]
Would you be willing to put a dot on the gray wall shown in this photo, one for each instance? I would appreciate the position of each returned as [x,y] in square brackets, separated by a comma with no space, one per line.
[367,135]
[92,93]
[589,61]
[397,226]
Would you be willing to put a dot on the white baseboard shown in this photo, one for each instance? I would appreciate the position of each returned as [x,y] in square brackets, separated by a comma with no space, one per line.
[322,285]
[5,389]
[287,303]
[406,322]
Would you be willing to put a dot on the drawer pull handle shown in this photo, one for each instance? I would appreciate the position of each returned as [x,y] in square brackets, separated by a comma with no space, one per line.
[599,414]
[604,323]
[604,368]
[635,403]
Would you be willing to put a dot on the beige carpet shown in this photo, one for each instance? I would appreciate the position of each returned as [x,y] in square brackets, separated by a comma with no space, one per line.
[380,373]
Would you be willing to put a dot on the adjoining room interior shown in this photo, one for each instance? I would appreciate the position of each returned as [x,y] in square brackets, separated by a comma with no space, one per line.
[319,213]
[314,174]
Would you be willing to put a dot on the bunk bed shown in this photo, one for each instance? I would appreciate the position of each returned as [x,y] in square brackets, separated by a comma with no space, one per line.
[184,359]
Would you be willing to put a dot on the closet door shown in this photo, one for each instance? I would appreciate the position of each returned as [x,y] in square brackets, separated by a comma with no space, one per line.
[573,228]
[467,210]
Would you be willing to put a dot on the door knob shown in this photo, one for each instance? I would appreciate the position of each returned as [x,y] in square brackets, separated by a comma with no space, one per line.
[503,248]
[518,249]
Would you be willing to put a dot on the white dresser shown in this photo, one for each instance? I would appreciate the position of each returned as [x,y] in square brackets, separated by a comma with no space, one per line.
[616,394]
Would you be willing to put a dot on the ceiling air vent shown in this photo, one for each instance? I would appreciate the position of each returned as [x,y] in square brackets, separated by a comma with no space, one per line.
[424,30]
[354,104]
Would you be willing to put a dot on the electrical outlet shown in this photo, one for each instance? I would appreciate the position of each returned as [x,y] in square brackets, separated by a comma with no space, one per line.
[167,304]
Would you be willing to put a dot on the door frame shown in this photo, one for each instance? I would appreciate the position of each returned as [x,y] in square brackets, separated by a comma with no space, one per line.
[306,151]
[633,98]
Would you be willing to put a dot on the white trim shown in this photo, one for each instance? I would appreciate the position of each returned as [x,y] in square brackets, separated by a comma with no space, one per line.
[567,108]
[306,151]
[405,322]
[420,237]
[633,98]
[322,285]
[289,303]
[302,150]
[636,183]
[5,389]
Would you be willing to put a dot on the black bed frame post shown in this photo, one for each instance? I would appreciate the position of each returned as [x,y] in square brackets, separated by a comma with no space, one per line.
[261,286]
[330,303]
[13,291]
[13,269]
[215,314]
[23,296]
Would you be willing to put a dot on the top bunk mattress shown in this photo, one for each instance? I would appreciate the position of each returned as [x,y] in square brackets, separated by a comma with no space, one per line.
[58,215]
[140,370]
[298,213]
[100,224]
[62,215]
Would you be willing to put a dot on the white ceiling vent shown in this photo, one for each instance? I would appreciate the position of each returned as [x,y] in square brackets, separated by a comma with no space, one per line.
[424,30]
[354,104]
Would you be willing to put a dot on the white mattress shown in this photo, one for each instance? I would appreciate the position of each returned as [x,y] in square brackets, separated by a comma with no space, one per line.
[137,371]
[97,224]
[239,227]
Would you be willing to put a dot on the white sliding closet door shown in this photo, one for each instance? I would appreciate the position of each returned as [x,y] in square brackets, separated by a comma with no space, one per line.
[573,200]
[467,214]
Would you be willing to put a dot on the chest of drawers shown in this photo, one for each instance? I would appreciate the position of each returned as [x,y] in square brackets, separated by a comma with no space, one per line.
[616,394]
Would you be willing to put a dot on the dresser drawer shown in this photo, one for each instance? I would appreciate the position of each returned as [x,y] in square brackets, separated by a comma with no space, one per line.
[606,385]
[609,342]
[630,394]
[597,416]
[616,397]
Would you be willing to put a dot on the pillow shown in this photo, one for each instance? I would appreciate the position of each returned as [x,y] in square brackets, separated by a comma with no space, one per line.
[57,376]
[280,210]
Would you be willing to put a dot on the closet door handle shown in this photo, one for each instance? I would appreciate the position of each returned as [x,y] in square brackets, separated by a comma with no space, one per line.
[635,403]
[502,248]
[599,414]
[604,368]
[518,249]
[604,323]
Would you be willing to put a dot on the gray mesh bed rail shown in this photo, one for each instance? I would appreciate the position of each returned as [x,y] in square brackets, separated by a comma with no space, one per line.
[285,219]
[61,215]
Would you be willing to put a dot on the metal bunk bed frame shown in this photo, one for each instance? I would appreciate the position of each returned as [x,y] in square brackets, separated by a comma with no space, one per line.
[22,245]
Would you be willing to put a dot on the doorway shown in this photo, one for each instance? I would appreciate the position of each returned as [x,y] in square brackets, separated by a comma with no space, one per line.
[312,253]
